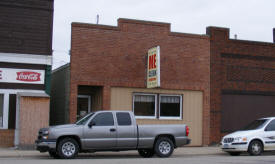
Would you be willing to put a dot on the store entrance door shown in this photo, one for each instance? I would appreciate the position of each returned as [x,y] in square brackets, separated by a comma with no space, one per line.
[83,105]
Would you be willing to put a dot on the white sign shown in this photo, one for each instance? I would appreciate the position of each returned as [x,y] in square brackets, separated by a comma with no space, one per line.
[27,76]
[153,67]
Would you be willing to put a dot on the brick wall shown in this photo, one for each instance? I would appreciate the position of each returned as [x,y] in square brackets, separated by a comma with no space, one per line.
[116,56]
[237,65]
[6,138]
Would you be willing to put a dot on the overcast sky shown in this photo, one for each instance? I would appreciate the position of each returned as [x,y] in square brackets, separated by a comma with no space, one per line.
[249,19]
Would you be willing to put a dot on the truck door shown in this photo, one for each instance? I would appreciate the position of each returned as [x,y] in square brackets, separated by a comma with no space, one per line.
[102,133]
[269,136]
[126,131]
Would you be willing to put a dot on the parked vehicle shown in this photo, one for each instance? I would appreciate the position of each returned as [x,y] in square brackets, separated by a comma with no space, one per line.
[255,138]
[114,131]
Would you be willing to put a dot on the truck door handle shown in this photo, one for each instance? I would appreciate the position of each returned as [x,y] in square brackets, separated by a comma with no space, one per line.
[112,130]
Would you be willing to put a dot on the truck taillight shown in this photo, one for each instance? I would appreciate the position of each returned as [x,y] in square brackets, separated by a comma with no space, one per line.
[187,130]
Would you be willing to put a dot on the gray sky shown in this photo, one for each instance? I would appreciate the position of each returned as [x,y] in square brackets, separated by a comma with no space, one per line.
[249,19]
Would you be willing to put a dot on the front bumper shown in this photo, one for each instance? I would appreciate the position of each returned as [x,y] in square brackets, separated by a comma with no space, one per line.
[234,147]
[45,145]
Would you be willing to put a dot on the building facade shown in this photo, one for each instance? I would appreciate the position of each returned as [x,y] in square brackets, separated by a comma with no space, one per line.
[242,81]
[25,69]
[108,71]
[213,83]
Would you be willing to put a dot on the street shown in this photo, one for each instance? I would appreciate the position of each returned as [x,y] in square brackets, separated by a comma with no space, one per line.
[133,158]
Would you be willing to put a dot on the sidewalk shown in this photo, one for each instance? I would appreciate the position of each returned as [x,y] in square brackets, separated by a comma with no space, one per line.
[14,153]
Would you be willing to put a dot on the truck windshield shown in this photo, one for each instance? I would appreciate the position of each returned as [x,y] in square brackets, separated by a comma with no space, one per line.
[84,119]
[257,124]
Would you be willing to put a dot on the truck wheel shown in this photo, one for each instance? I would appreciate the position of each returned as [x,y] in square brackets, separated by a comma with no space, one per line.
[53,154]
[164,147]
[67,148]
[255,148]
[146,153]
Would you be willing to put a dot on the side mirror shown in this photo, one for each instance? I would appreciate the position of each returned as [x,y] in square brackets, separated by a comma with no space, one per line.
[92,123]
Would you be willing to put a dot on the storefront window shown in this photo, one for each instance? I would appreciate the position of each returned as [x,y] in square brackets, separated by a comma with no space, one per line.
[163,107]
[145,105]
[170,106]
[1,109]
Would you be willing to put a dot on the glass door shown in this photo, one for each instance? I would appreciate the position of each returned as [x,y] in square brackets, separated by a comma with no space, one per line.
[83,105]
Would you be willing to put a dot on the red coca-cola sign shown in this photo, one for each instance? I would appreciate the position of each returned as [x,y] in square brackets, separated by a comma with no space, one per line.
[28,76]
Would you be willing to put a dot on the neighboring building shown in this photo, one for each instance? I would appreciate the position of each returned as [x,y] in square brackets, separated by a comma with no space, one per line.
[25,69]
[60,94]
[109,67]
[242,81]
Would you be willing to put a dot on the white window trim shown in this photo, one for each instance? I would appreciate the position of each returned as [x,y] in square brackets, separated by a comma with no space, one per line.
[170,118]
[5,117]
[145,117]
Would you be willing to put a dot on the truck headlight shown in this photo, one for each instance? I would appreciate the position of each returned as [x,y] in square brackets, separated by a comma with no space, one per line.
[45,134]
[240,139]
[45,137]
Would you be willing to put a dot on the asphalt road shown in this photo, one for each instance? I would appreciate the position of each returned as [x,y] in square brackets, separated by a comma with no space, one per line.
[99,158]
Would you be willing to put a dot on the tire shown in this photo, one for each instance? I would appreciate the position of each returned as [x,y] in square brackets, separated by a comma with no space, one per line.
[54,154]
[164,147]
[67,148]
[146,153]
[234,153]
[255,148]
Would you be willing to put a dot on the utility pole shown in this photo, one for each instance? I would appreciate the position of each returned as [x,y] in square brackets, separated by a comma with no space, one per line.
[97,19]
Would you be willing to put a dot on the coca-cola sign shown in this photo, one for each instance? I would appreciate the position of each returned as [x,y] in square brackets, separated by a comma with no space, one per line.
[28,76]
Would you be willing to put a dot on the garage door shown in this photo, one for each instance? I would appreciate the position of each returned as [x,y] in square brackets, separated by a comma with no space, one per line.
[239,110]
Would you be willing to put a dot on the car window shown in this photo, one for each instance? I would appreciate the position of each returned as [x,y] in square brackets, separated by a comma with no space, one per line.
[123,118]
[270,126]
[257,124]
[83,120]
[103,119]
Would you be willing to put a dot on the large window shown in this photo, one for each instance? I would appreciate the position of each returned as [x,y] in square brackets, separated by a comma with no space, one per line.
[157,106]
[1,109]
[170,106]
[145,105]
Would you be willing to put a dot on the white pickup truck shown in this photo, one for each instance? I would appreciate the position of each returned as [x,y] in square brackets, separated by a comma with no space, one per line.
[113,131]
[255,138]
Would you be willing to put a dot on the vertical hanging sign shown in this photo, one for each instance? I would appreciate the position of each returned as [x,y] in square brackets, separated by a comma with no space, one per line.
[153,67]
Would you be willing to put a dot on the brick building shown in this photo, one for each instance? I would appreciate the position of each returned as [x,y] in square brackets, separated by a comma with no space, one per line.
[222,83]
[242,81]
[25,69]
[108,71]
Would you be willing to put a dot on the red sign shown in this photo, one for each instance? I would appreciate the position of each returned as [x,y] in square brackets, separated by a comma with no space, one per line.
[28,76]
[152,61]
